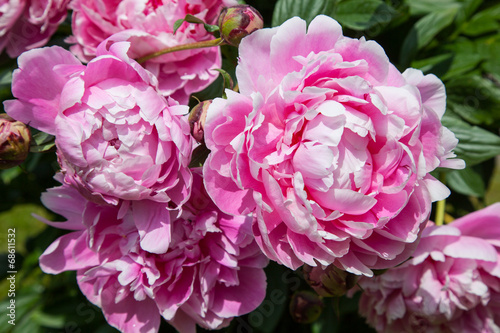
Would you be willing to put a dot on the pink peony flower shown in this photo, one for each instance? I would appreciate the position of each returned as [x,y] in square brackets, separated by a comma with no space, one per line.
[330,145]
[452,284]
[211,272]
[148,25]
[117,137]
[25,25]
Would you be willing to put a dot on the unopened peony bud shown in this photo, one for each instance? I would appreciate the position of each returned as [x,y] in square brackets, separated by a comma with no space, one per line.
[197,117]
[14,142]
[305,307]
[329,282]
[237,22]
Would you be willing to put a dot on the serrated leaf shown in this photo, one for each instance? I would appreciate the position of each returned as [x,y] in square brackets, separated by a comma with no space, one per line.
[305,9]
[363,14]
[475,144]
[422,33]
[466,182]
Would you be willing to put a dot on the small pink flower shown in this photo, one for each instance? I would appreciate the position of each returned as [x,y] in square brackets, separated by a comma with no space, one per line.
[452,284]
[211,272]
[25,25]
[330,145]
[117,137]
[148,25]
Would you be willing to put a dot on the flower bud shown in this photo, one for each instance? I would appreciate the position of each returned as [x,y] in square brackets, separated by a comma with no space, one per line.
[14,142]
[197,117]
[305,307]
[329,282]
[237,22]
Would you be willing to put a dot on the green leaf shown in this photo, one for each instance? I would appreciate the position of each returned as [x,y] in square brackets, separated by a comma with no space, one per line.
[484,22]
[211,28]
[6,77]
[8,175]
[489,48]
[193,19]
[430,64]
[475,99]
[465,58]
[475,144]
[466,182]
[199,156]
[422,33]
[47,320]
[423,7]
[306,9]
[228,80]
[178,24]
[42,142]
[363,14]
[26,226]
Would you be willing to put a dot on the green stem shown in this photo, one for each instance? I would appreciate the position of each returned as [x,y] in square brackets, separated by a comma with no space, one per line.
[439,218]
[189,46]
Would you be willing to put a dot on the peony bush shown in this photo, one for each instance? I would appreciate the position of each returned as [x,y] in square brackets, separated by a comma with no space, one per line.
[309,171]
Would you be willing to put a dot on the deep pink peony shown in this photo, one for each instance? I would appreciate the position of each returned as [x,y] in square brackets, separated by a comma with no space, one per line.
[452,284]
[212,271]
[117,137]
[330,145]
[148,25]
[27,24]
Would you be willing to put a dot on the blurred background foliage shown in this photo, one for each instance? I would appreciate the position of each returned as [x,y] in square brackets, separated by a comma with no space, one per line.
[457,40]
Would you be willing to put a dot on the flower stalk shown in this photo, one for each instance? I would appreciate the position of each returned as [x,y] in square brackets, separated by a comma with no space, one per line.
[188,46]
[440,207]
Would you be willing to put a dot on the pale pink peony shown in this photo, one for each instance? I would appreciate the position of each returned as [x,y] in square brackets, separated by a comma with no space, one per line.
[330,145]
[117,137]
[211,272]
[452,284]
[148,25]
[27,24]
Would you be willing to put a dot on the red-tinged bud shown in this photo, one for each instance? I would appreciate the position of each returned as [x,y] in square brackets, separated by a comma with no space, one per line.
[329,282]
[305,307]
[14,142]
[237,22]
[197,117]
